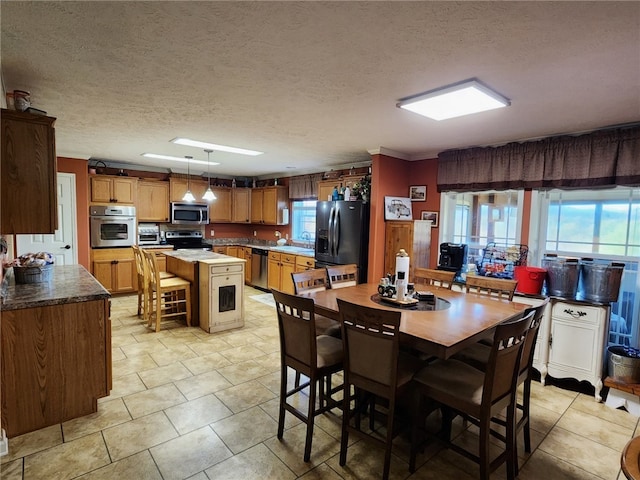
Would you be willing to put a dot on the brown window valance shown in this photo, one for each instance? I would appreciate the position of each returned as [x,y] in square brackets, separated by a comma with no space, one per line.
[598,159]
[304,187]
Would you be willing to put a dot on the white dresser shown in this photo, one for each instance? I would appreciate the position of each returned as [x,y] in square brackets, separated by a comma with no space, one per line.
[221,294]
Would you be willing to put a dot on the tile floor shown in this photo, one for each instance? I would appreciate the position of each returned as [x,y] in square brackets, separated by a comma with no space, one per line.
[189,405]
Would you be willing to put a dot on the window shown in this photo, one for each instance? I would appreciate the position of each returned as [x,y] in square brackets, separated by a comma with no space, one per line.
[303,222]
[600,224]
[479,218]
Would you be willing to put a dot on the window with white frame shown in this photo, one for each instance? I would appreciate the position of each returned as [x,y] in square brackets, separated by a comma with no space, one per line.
[303,222]
[479,218]
[600,224]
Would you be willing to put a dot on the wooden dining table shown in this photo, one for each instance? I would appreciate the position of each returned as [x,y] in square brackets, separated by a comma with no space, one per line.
[467,318]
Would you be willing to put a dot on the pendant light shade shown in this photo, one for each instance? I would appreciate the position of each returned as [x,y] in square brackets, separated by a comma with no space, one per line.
[188,196]
[209,196]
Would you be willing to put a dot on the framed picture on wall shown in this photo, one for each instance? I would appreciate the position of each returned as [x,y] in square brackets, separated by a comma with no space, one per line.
[397,208]
[433,216]
[418,193]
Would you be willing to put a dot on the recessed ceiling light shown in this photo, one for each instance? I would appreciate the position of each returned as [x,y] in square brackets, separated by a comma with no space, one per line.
[213,146]
[456,100]
[176,159]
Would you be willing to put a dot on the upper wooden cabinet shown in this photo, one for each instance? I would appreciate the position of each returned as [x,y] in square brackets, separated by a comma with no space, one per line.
[28,181]
[325,187]
[220,208]
[270,205]
[153,201]
[178,187]
[241,205]
[113,189]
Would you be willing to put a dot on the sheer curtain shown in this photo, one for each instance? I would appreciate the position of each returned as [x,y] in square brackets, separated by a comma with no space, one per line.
[598,159]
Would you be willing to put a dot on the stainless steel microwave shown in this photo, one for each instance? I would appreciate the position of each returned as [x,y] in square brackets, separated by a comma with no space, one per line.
[183,213]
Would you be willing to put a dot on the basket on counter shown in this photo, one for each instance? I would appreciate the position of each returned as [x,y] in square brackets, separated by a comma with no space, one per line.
[24,275]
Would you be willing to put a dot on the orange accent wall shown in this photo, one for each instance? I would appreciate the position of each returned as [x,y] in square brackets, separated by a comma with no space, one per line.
[80,168]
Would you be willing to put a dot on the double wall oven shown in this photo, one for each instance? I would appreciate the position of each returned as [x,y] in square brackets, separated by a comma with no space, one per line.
[112,226]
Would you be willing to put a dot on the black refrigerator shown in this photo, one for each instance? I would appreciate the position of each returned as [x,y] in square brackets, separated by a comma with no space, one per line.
[342,235]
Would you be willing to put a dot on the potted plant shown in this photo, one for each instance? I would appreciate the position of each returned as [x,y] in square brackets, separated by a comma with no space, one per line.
[362,189]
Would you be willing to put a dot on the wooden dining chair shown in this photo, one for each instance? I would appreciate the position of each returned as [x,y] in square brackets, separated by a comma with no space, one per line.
[315,280]
[142,290]
[341,276]
[430,276]
[477,355]
[460,389]
[167,297]
[374,365]
[496,287]
[316,357]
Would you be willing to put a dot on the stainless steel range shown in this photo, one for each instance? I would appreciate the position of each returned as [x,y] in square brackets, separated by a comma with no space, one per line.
[186,239]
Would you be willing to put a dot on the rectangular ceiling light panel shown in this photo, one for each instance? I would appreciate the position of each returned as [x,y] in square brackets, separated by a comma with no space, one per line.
[455,100]
[213,146]
[177,159]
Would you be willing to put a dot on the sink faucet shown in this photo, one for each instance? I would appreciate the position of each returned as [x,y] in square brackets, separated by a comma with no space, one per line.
[306,236]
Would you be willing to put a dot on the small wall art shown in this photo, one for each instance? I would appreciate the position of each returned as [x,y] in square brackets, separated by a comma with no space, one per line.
[397,208]
[433,216]
[418,193]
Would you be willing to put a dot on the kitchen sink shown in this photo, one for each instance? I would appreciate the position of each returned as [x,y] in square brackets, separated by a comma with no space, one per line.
[293,249]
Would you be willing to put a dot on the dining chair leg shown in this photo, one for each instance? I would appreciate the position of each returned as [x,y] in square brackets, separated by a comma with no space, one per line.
[483,455]
[526,407]
[389,439]
[344,439]
[510,447]
[312,406]
[283,399]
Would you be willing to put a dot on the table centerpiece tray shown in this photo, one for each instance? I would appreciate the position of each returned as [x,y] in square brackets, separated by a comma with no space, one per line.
[407,302]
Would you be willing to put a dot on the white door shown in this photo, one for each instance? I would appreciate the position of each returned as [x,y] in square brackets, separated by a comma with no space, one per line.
[62,244]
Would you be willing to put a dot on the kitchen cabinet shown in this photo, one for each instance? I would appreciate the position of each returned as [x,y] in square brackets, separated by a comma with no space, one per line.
[220,249]
[247,265]
[221,295]
[153,201]
[115,269]
[270,205]
[412,235]
[280,266]
[234,251]
[28,193]
[178,187]
[541,352]
[113,189]
[304,263]
[325,187]
[241,205]
[576,340]
[220,208]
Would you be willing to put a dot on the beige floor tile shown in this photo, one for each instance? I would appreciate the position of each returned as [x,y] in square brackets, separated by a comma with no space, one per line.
[268,346]
[153,400]
[542,419]
[544,466]
[116,354]
[199,476]
[552,398]
[270,362]
[205,363]
[583,452]
[366,461]
[11,470]
[197,413]
[272,408]
[137,466]
[176,352]
[144,348]
[246,429]
[438,469]
[321,472]
[69,459]
[291,448]
[138,435]
[110,413]
[189,454]
[244,396]
[125,385]
[240,337]
[244,371]
[268,332]
[33,442]
[209,345]
[131,365]
[586,403]
[610,434]
[203,384]
[165,374]
[242,353]
[121,340]
[257,462]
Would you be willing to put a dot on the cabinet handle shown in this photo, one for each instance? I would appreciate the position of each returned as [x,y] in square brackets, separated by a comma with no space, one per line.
[577,314]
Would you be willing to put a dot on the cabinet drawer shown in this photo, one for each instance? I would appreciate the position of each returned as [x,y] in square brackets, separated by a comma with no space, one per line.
[222,269]
[286,258]
[305,262]
[576,313]
[275,256]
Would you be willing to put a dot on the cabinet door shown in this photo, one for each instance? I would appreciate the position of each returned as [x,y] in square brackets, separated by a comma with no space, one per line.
[103,271]
[273,273]
[233,251]
[325,189]
[161,260]
[247,265]
[257,196]
[198,188]
[270,206]
[177,189]
[153,201]
[222,250]
[126,276]
[304,263]
[241,205]
[101,189]
[220,208]
[397,235]
[286,281]
[124,189]
[28,190]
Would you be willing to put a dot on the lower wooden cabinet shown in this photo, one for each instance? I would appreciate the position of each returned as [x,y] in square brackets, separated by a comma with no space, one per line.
[280,267]
[304,263]
[115,269]
[247,266]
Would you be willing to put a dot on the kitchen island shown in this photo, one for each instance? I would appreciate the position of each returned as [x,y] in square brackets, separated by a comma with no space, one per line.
[55,349]
[217,287]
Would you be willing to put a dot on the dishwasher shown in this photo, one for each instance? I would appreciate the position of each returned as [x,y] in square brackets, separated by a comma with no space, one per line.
[259,261]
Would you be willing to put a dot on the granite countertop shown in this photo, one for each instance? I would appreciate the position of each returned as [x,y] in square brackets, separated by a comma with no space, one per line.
[203,256]
[69,284]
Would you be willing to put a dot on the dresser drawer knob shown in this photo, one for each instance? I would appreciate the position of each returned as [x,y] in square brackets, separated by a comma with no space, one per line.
[577,314]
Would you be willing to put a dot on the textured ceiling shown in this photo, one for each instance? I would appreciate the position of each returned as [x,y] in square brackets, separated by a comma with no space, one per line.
[314,84]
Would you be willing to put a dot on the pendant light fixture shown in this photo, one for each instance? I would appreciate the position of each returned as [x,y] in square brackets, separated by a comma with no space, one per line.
[188,196]
[209,196]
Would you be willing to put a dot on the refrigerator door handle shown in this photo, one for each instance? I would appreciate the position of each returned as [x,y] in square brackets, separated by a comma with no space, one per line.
[331,228]
[336,231]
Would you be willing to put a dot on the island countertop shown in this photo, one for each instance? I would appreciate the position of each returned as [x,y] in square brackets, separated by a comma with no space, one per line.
[69,284]
[205,256]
